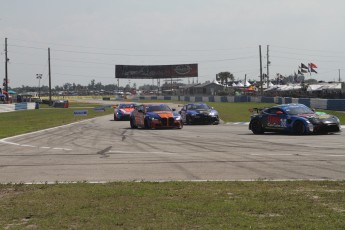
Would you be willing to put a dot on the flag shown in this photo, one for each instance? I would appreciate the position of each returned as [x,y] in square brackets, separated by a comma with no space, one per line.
[304,71]
[304,66]
[312,65]
[313,70]
[299,72]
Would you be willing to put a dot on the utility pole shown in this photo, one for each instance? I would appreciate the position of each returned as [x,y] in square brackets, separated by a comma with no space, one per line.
[39,77]
[268,64]
[6,71]
[50,79]
[261,90]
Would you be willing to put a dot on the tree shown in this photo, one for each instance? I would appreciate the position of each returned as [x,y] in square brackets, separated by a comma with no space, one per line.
[225,77]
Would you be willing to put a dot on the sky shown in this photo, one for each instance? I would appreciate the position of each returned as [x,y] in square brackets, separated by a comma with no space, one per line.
[87,38]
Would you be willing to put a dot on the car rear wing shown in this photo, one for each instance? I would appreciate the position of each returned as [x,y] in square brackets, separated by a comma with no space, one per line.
[256,110]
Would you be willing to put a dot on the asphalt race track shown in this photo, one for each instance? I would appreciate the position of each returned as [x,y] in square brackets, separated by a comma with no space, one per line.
[101,150]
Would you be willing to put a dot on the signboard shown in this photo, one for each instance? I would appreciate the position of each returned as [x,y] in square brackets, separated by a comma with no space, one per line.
[156,71]
[80,113]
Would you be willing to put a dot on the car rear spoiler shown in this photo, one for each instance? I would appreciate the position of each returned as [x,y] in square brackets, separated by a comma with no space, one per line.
[255,110]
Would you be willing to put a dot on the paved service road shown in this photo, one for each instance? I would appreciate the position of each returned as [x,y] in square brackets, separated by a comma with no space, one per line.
[101,149]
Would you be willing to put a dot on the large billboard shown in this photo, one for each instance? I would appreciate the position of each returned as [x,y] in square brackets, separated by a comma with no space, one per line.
[156,71]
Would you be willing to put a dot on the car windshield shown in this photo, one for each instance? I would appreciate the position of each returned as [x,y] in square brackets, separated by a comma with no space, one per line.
[124,106]
[152,108]
[198,106]
[298,110]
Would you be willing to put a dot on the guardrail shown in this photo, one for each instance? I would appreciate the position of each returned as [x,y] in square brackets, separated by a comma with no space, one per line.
[317,103]
[17,106]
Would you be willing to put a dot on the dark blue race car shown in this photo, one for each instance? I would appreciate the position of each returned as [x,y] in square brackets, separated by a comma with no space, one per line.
[295,119]
[199,113]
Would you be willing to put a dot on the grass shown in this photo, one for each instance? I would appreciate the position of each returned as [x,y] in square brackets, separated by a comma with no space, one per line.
[174,205]
[19,122]
[168,205]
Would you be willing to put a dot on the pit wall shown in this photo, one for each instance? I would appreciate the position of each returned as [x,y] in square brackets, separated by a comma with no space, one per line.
[317,103]
[17,106]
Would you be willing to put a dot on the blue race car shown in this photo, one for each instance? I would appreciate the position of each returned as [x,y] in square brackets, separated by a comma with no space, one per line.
[199,113]
[123,111]
[295,119]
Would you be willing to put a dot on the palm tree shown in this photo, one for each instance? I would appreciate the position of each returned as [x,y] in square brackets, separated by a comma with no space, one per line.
[225,77]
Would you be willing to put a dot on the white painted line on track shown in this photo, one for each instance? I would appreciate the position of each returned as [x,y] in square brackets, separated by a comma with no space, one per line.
[6,140]
[62,149]
[136,152]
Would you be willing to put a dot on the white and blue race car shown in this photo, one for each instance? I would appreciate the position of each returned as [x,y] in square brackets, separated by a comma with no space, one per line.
[295,119]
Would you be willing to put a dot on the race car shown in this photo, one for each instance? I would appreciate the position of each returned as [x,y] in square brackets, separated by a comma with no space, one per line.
[155,115]
[123,111]
[199,113]
[295,119]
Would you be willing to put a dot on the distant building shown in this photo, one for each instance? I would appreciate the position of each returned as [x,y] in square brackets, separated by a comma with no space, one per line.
[205,89]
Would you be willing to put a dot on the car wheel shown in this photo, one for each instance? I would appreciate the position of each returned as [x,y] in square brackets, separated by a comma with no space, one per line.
[115,118]
[299,128]
[216,123]
[188,120]
[146,124]
[132,123]
[256,127]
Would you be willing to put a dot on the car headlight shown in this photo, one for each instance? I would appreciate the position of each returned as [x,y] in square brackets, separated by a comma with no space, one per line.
[177,118]
[213,113]
[154,119]
[314,120]
[337,119]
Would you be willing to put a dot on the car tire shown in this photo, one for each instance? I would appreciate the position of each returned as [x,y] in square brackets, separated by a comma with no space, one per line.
[181,125]
[188,120]
[146,124]
[298,128]
[216,123]
[256,127]
[132,123]
[115,118]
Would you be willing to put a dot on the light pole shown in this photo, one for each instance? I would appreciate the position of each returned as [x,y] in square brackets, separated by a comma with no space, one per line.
[39,77]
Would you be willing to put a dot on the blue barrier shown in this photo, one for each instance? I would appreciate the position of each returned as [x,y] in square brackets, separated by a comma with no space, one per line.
[198,99]
[223,99]
[336,104]
[288,100]
[305,101]
[267,99]
[21,106]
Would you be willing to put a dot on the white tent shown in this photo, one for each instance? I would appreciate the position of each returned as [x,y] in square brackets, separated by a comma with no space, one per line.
[239,84]
[247,84]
